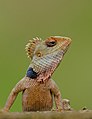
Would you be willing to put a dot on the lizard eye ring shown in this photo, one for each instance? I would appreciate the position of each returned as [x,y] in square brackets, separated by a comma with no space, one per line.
[39,54]
[51,43]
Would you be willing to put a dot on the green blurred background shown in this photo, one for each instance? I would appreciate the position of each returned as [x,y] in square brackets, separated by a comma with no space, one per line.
[21,20]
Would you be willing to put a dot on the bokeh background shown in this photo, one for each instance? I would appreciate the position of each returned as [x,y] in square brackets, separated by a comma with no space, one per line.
[21,20]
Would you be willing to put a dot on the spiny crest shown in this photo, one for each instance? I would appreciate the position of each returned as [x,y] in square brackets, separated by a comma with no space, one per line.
[30,47]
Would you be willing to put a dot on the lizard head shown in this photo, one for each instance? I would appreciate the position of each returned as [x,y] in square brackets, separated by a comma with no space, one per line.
[46,55]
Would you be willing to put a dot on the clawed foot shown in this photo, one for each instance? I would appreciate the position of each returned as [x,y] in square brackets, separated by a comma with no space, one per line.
[4,110]
[65,106]
[58,110]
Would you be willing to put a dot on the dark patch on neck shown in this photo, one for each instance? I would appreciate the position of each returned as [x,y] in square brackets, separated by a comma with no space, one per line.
[31,73]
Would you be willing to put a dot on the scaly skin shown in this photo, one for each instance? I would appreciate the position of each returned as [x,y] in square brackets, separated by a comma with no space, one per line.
[37,87]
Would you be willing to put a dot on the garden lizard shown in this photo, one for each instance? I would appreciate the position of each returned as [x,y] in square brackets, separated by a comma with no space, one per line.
[37,87]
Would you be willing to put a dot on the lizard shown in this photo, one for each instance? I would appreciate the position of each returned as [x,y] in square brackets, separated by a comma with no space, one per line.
[38,89]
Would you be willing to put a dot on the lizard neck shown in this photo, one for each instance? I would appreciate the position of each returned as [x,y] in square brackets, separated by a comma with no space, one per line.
[41,77]
[46,75]
[46,66]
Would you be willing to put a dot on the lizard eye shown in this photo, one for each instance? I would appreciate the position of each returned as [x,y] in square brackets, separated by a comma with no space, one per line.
[51,43]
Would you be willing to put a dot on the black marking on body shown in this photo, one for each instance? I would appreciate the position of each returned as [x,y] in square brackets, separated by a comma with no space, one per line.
[31,73]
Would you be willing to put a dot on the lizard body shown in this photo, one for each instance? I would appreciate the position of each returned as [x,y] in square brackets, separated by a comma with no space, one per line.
[37,87]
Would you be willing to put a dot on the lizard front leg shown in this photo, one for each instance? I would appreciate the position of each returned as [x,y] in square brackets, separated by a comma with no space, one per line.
[10,100]
[57,95]
[18,88]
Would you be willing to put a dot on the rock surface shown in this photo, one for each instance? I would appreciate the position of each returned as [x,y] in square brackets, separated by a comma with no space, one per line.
[47,115]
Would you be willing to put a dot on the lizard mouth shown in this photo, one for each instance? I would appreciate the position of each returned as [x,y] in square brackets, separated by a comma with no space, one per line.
[65,45]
